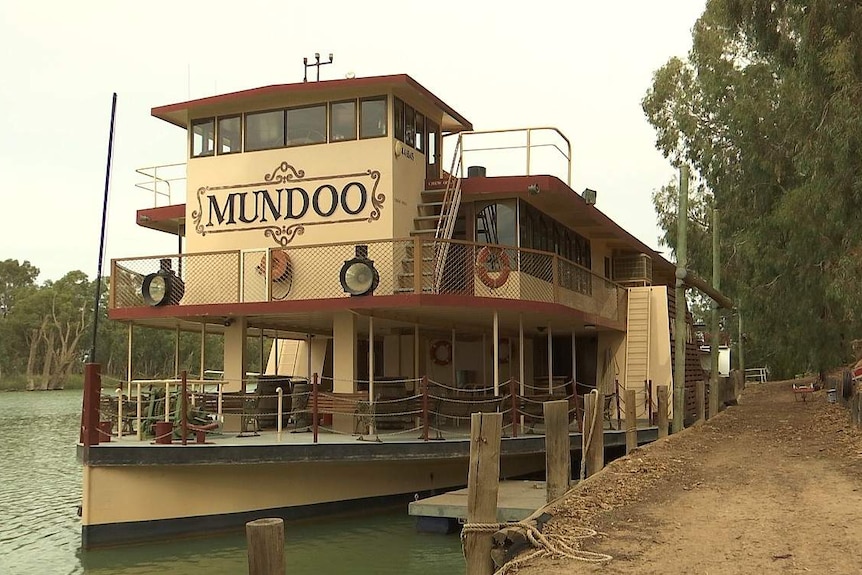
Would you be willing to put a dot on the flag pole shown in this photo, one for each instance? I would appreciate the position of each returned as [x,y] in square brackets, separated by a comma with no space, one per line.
[92,356]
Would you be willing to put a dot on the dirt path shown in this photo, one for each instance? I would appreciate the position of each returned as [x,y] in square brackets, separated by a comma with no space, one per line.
[769,486]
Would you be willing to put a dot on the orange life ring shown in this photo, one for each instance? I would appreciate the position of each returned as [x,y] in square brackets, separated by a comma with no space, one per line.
[503,263]
[279,265]
[441,352]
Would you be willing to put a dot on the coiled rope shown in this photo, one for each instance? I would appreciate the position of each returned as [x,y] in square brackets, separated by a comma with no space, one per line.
[562,546]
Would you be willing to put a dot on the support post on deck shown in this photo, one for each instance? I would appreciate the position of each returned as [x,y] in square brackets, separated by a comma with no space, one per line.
[594,453]
[184,418]
[425,408]
[483,479]
[700,399]
[314,414]
[631,421]
[662,411]
[265,540]
[516,405]
[558,460]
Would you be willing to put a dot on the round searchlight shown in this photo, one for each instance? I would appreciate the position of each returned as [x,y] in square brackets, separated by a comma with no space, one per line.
[162,287]
[358,276]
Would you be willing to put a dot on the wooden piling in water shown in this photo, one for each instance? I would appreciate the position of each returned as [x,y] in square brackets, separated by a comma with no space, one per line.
[662,411]
[265,538]
[594,428]
[558,459]
[631,421]
[483,479]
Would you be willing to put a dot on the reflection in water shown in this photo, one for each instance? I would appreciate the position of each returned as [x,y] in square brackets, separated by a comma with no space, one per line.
[40,488]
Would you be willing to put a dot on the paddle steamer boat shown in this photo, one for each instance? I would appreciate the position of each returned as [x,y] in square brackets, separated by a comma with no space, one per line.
[395,295]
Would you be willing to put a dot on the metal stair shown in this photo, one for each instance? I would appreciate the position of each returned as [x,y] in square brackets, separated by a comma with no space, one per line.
[435,220]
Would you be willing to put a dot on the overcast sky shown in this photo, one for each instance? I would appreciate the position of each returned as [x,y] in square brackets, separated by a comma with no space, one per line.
[582,66]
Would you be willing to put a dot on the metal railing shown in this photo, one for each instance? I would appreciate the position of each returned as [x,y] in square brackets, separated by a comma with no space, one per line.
[470,269]
[171,410]
[529,146]
[163,182]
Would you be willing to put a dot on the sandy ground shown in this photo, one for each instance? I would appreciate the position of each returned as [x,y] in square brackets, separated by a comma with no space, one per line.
[772,485]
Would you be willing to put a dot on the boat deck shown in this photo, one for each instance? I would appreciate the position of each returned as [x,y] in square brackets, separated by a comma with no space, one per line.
[269,446]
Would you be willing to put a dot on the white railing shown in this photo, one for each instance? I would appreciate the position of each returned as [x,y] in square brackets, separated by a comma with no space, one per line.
[507,141]
[165,182]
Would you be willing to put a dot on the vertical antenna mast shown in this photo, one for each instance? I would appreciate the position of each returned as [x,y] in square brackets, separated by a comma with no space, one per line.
[317,64]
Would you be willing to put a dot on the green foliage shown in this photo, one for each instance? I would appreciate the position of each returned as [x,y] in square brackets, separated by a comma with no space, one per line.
[767,110]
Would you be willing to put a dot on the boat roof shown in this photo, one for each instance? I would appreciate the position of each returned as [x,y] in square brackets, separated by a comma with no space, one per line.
[180,113]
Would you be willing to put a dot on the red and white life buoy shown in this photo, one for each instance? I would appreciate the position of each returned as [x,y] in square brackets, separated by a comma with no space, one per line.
[441,352]
[279,265]
[502,270]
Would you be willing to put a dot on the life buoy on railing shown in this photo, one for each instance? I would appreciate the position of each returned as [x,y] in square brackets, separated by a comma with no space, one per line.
[441,352]
[502,269]
[279,265]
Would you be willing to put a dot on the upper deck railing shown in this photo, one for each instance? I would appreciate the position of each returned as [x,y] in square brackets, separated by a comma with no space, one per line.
[167,183]
[542,148]
[237,276]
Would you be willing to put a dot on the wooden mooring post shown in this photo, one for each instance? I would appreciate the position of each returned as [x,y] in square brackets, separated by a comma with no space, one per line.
[594,430]
[662,411]
[483,482]
[700,399]
[265,538]
[558,457]
[631,421]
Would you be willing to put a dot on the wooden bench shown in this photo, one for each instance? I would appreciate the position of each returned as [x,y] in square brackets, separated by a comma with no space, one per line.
[330,404]
[802,391]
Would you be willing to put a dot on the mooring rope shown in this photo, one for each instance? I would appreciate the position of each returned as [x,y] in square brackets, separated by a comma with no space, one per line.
[563,546]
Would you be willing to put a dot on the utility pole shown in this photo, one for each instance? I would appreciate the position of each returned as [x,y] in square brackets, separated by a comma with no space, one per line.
[679,330]
[741,341]
[716,283]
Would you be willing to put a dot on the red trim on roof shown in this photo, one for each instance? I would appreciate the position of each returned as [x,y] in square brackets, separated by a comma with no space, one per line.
[551,186]
[305,87]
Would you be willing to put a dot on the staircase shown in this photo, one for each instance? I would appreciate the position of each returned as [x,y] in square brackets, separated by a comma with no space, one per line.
[638,338]
[435,220]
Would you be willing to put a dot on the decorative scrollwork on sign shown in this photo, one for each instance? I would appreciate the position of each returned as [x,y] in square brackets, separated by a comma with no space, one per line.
[289,172]
[283,235]
[198,214]
[376,199]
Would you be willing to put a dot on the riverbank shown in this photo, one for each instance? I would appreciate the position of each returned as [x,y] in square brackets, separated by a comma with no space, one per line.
[19,382]
[772,485]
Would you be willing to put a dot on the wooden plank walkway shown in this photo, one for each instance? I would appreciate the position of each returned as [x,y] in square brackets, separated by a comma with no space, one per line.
[515,501]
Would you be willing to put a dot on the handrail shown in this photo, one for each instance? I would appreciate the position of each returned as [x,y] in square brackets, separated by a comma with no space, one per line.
[448,215]
[528,146]
[154,183]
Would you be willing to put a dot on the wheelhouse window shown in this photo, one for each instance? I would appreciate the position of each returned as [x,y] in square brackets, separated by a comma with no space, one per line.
[372,117]
[540,232]
[306,125]
[420,132]
[230,135]
[409,126]
[342,123]
[203,137]
[496,224]
[398,115]
[264,130]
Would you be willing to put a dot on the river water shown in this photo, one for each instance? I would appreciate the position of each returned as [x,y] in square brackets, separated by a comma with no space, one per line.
[40,533]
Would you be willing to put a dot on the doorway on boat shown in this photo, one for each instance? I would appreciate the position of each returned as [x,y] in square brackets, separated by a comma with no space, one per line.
[586,354]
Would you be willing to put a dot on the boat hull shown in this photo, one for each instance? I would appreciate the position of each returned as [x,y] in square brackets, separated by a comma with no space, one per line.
[133,503]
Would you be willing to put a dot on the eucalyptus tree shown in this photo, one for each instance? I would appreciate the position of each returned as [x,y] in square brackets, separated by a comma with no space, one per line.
[767,110]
